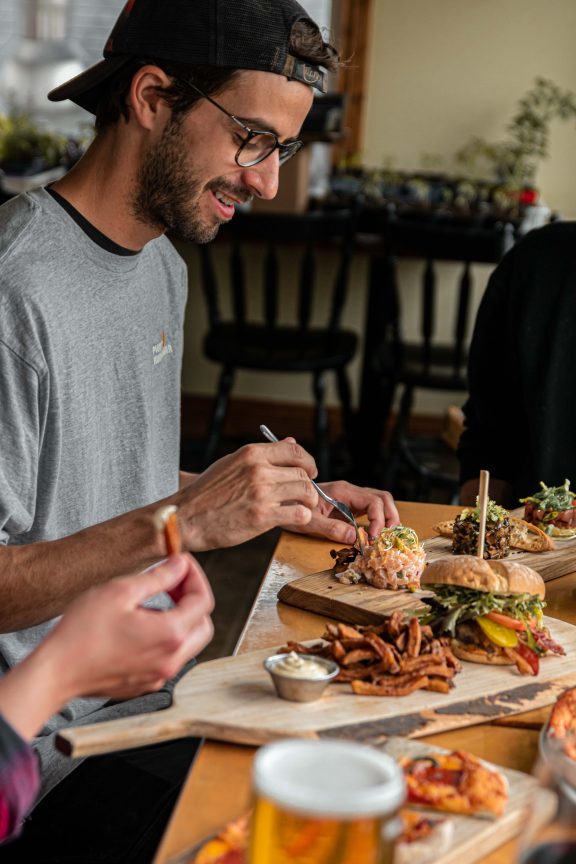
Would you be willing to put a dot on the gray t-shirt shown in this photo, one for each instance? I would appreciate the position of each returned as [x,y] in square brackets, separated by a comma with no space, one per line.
[90,363]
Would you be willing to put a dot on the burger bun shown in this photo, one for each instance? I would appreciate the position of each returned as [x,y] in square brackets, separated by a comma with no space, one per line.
[494,576]
[472,654]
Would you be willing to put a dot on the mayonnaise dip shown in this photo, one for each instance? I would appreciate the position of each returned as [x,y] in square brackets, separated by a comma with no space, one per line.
[300,666]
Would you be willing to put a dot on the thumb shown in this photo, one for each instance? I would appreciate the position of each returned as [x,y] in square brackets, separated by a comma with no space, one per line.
[162,577]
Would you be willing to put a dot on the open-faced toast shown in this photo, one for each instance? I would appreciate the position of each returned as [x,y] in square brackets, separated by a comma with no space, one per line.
[524,535]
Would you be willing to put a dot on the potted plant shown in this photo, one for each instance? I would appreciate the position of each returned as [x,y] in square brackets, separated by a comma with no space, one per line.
[31,155]
[514,161]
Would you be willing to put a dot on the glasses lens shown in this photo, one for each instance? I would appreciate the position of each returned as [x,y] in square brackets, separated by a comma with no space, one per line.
[256,148]
[289,150]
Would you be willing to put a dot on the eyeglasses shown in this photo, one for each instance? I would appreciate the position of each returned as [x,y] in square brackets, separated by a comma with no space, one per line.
[258,144]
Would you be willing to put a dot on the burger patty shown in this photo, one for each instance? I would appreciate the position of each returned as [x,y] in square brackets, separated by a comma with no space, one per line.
[496,540]
[470,633]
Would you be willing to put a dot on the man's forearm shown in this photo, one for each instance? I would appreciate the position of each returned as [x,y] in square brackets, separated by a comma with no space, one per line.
[40,579]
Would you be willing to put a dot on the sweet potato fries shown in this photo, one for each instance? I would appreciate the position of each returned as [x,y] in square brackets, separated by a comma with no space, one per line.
[394,658]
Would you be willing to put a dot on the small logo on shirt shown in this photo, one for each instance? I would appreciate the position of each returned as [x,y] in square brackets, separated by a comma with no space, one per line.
[161,349]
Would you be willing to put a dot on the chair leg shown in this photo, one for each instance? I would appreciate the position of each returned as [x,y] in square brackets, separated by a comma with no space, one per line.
[398,445]
[217,421]
[321,427]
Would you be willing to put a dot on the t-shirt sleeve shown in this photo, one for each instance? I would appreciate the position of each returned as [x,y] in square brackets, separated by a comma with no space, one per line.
[19,780]
[20,443]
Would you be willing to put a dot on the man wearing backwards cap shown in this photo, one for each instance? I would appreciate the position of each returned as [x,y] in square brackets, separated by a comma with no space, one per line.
[197,104]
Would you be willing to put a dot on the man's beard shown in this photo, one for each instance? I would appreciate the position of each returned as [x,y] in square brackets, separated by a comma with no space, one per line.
[167,190]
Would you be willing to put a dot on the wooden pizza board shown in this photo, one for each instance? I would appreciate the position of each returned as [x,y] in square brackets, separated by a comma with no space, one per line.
[233,699]
[475,838]
[472,838]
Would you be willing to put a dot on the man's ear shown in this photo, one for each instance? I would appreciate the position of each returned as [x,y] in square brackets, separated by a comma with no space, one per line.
[145,99]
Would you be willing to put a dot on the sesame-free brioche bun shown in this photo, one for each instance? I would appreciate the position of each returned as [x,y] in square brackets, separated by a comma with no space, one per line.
[495,576]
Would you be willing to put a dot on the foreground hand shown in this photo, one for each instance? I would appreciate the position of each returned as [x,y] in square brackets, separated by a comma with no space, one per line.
[327,522]
[109,644]
[259,487]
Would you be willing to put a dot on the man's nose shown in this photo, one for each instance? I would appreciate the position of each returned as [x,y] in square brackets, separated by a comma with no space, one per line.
[262,179]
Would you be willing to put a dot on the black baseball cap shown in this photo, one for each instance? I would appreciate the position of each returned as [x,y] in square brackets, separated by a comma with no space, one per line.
[240,34]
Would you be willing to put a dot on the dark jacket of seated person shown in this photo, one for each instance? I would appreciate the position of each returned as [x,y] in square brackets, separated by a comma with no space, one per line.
[520,417]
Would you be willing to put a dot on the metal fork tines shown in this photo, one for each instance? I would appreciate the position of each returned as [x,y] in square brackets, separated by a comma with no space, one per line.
[338,505]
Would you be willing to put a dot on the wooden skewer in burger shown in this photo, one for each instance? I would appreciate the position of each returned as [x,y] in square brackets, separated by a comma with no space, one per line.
[492,609]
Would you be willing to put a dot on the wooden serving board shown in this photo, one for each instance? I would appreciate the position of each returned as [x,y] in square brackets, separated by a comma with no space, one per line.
[323,594]
[475,838]
[551,564]
[233,699]
[472,838]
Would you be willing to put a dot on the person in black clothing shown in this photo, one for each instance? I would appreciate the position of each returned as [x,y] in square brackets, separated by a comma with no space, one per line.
[520,417]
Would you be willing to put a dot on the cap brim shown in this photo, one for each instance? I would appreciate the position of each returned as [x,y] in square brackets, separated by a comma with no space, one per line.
[86,88]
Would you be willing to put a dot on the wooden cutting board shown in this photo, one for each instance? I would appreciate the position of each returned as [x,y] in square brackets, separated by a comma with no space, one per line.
[354,604]
[472,838]
[232,699]
[362,604]
[551,564]
[475,838]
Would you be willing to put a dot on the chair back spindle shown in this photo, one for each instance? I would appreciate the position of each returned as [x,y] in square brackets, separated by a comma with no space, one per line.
[284,248]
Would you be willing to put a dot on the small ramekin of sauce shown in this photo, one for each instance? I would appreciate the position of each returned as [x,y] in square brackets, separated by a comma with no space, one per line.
[300,677]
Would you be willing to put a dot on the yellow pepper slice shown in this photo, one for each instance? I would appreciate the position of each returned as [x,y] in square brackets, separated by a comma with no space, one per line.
[505,637]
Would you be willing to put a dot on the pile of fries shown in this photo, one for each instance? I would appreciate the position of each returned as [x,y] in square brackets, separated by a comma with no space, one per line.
[394,658]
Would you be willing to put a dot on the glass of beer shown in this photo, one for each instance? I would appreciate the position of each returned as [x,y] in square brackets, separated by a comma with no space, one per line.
[322,802]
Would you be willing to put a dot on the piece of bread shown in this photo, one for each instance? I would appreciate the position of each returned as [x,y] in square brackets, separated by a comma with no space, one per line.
[527,536]
[498,576]
[444,529]
[524,535]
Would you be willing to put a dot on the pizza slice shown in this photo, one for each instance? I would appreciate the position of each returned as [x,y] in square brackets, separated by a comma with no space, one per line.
[456,782]
[422,839]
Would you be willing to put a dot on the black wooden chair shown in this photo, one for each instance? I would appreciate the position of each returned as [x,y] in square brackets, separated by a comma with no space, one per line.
[267,345]
[425,364]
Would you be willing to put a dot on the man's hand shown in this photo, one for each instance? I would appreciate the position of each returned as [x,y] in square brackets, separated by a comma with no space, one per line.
[259,487]
[327,522]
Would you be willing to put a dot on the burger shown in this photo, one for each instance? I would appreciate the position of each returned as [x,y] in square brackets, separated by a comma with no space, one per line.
[553,509]
[493,610]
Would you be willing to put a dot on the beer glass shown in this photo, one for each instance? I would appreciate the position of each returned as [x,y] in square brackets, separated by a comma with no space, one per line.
[324,802]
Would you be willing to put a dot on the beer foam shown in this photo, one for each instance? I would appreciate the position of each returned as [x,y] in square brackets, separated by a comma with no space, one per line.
[329,778]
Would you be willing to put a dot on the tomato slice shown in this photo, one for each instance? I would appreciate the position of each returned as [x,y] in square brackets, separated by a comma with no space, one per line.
[506,620]
[529,655]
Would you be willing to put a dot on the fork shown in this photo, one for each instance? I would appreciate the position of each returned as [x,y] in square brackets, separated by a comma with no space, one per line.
[338,505]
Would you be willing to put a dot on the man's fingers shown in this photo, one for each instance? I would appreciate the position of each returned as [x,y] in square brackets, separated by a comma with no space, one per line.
[161,578]
[288,452]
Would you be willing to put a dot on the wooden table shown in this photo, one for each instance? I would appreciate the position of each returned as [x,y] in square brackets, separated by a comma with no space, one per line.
[218,786]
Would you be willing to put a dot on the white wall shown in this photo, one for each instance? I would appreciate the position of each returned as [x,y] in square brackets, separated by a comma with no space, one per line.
[439,72]
[443,71]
